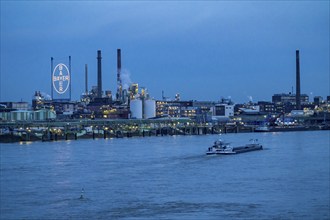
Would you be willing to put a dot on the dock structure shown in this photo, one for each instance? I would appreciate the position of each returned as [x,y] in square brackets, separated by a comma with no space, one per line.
[77,129]
[54,130]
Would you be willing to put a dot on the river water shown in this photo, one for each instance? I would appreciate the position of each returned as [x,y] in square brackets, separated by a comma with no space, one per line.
[167,178]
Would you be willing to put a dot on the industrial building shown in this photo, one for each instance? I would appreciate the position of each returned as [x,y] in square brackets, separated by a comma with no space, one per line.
[289,98]
[200,111]
[134,102]
[14,105]
[223,110]
[28,115]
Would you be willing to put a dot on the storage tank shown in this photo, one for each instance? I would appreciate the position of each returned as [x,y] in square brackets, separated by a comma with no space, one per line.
[4,116]
[149,108]
[20,115]
[40,115]
[136,108]
[44,114]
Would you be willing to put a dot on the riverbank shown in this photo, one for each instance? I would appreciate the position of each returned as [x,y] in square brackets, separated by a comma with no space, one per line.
[74,130]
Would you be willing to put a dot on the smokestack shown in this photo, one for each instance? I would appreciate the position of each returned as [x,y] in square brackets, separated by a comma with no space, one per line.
[119,85]
[51,76]
[298,106]
[99,74]
[86,82]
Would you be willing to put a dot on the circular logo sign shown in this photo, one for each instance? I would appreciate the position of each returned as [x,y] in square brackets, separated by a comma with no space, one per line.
[61,78]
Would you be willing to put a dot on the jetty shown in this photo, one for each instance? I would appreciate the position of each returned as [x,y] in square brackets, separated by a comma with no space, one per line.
[54,130]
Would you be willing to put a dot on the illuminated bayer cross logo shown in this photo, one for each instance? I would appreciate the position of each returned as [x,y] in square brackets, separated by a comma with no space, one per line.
[61,78]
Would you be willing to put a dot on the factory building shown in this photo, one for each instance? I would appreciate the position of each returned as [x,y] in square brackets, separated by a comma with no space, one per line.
[100,104]
[318,100]
[15,105]
[223,110]
[14,111]
[203,111]
[174,109]
[285,98]
[292,101]
[26,115]
[287,102]
[200,111]
[129,102]
[267,107]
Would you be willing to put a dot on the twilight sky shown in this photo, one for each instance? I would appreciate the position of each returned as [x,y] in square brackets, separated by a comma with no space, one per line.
[202,50]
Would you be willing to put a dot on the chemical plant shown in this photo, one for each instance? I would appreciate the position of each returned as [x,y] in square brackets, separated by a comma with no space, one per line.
[131,109]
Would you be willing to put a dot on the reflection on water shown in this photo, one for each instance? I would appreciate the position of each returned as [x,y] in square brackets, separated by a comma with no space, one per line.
[167,177]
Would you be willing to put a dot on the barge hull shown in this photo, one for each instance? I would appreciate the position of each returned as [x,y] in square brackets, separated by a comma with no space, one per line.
[244,149]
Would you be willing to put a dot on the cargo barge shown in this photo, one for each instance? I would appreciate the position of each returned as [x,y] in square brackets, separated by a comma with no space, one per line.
[221,147]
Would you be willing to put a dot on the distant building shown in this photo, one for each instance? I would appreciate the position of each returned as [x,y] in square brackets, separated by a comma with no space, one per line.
[289,98]
[15,105]
[172,108]
[318,100]
[267,107]
[64,107]
[26,115]
[14,110]
[201,111]
[223,110]
[247,109]
[104,109]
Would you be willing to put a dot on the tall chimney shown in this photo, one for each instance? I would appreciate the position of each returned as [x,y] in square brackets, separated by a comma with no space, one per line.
[99,74]
[119,85]
[86,80]
[298,106]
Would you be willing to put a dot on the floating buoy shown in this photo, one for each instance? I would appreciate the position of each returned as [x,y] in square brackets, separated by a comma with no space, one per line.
[82,194]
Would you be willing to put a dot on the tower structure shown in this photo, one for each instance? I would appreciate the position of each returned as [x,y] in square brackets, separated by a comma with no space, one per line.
[86,79]
[298,105]
[99,74]
[119,83]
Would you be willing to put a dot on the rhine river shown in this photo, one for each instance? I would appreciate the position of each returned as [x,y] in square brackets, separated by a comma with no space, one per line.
[167,178]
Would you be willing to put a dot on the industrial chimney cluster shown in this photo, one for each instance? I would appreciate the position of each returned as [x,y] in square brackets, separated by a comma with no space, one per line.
[130,101]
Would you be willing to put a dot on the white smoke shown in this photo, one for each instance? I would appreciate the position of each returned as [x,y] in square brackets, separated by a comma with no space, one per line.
[125,78]
[45,96]
[250,98]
